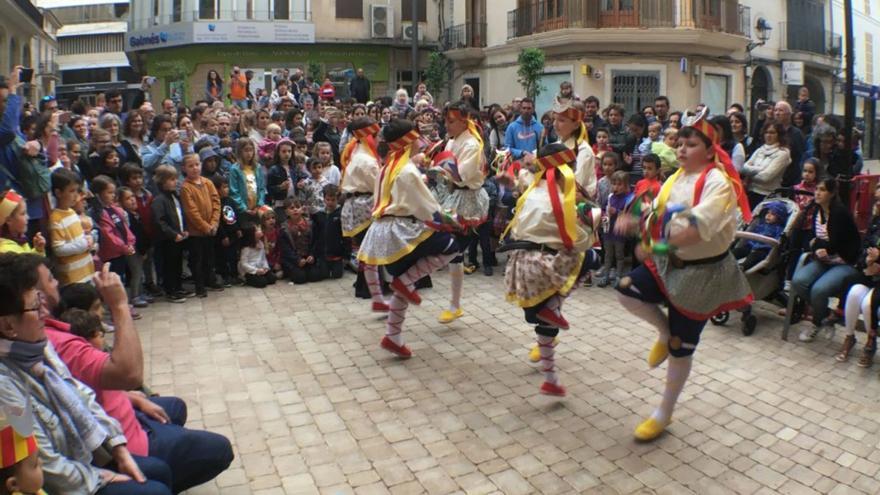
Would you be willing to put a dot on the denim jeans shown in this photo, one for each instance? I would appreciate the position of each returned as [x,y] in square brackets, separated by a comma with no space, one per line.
[194,456]
[158,476]
[816,282]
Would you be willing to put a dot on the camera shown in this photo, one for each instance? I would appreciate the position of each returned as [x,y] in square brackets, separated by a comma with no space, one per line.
[150,80]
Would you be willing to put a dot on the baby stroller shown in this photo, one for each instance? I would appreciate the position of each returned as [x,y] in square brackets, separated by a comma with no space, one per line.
[767,277]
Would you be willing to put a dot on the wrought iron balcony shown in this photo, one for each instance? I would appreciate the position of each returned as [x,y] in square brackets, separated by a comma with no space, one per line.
[539,16]
[469,35]
[805,38]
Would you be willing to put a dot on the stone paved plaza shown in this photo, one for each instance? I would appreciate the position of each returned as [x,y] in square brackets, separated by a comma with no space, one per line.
[295,378]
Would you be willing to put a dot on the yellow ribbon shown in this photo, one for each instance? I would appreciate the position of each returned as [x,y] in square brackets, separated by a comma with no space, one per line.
[396,161]
[569,207]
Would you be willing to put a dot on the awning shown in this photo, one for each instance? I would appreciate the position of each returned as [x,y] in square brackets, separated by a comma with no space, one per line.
[93,61]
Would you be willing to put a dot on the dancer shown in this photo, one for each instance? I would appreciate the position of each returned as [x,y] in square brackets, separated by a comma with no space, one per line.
[549,244]
[403,236]
[568,121]
[463,162]
[693,270]
[360,168]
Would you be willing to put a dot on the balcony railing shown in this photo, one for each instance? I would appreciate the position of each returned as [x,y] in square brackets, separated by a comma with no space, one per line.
[470,35]
[801,37]
[539,16]
[211,15]
[48,68]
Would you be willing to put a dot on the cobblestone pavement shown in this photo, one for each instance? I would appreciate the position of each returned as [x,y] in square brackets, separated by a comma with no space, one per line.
[295,378]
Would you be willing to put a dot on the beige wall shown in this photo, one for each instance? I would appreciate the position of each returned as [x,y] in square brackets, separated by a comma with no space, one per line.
[328,27]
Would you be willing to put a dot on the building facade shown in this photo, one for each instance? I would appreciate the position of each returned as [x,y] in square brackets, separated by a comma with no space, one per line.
[626,51]
[91,59]
[23,41]
[180,41]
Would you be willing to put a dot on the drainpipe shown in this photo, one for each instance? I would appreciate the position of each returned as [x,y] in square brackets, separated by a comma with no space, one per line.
[831,39]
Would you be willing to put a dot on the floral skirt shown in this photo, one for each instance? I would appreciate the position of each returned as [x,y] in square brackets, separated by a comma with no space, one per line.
[702,291]
[357,214]
[532,276]
[471,205]
[390,238]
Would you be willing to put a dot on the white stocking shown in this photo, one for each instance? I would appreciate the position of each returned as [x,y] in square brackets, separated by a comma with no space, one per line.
[651,313]
[856,301]
[456,276]
[677,372]
[371,275]
[396,315]
[423,267]
[548,364]
[554,304]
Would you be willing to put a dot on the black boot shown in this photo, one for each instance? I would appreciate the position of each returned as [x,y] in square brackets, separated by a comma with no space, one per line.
[361,290]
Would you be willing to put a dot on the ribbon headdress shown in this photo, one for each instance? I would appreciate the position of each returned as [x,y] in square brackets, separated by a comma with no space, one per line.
[443,158]
[398,156]
[8,203]
[553,168]
[722,163]
[17,439]
[364,135]
[576,114]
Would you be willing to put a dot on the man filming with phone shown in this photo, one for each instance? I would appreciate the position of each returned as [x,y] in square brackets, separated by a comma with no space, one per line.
[238,88]
[12,141]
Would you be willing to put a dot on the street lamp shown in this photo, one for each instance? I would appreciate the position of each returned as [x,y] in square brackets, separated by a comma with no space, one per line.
[762,30]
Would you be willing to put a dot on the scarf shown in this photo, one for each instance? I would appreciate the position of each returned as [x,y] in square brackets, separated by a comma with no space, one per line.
[82,432]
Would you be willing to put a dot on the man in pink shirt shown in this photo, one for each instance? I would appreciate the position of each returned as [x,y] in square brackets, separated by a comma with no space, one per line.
[156,428]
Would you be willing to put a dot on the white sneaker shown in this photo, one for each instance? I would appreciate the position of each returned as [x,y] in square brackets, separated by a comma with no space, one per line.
[809,333]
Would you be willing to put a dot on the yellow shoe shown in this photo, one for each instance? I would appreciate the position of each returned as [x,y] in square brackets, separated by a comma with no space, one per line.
[659,353]
[535,353]
[449,316]
[649,429]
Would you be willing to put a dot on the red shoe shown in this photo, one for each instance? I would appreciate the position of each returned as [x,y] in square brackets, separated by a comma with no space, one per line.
[553,319]
[402,351]
[380,307]
[401,289]
[553,389]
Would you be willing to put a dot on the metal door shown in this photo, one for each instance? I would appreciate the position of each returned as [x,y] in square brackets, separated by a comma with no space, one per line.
[634,89]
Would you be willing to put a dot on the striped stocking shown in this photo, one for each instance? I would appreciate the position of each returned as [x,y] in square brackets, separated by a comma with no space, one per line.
[548,364]
[424,266]
[371,274]
[396,315]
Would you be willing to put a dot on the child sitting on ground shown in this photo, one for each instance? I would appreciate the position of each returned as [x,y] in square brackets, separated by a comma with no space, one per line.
[252,264]
[297,246]
[771,224]
[613,243]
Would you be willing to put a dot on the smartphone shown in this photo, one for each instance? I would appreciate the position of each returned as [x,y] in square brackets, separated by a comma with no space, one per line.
[183,135]
[151,80]
[26,75]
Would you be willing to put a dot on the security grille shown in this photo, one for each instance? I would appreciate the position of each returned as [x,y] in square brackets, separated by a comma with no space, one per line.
[635,89]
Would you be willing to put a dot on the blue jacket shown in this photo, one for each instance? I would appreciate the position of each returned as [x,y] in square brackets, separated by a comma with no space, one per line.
[520,137]
[238,187]
[9,130]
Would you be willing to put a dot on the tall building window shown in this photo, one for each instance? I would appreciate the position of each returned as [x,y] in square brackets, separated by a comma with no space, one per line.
[176,10]
[406,12]
[207,9]
[155,12]
[282,9]
[869,58]
[351,9]
[716,90]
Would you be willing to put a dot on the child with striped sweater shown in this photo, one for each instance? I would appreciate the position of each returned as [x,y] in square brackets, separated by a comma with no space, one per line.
[71,245]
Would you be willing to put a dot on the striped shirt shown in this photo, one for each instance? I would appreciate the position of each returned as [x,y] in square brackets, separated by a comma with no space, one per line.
[70,247]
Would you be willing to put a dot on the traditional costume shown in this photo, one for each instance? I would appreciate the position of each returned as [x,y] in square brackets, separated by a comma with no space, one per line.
[696,281]
[549,247]
[464,165]
[402,236]
[579,142]
[17,444]
[360,169]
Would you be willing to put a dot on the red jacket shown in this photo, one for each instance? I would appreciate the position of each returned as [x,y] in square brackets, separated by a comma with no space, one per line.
[116,237]
[328,92]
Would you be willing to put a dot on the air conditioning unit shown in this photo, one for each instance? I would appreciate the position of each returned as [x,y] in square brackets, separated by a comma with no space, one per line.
[407,32]
[381,21]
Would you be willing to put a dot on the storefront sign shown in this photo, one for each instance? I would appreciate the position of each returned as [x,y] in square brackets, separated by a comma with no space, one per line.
[792,73]
[220,32]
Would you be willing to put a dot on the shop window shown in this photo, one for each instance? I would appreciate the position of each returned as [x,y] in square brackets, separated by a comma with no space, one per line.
[282,9]
[85,76]
[351,9]
[716,91]
[406,12]
[128,75]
